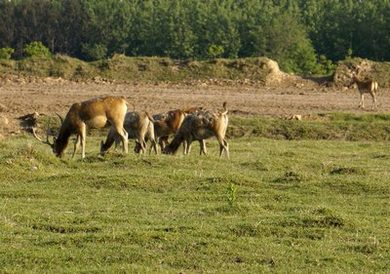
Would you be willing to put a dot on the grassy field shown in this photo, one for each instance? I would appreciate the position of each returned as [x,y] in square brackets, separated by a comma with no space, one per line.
[276,205]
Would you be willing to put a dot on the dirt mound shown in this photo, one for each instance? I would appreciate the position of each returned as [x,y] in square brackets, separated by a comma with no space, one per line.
[277,78]
[59,68]
[343,75]
[367,69]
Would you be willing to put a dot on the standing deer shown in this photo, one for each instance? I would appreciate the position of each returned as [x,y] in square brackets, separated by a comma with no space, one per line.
[200,126]
[365,86]
[167,124]
[94,113]
[139,126]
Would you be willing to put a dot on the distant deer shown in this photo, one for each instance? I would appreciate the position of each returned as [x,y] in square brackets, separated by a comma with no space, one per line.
[365,86]
[93,113]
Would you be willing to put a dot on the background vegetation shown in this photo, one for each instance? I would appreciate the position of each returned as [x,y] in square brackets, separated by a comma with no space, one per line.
[304,36]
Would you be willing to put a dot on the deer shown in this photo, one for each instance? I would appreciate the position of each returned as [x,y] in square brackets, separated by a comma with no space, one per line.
[167,124]
[365,86]
[94,113]
[139,126]
[200,126]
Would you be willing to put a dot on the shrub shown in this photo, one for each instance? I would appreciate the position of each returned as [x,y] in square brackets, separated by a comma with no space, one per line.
[36,49]
[5,53]
[93,52]
[215,51]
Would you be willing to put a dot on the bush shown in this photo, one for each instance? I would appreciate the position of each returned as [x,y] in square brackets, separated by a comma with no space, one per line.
[325,65]
[215,51]
[36,49]
[93,52]
[5,53]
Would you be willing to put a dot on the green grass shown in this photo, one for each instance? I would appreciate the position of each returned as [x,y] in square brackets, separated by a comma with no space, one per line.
[277,205]
[330,126]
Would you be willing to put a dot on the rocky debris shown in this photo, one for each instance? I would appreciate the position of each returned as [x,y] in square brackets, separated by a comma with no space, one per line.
[297,117]
[3,108]
[6,126]
[3,121]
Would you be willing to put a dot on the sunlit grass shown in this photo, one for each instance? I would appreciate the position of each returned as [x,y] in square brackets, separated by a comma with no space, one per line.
[276,205]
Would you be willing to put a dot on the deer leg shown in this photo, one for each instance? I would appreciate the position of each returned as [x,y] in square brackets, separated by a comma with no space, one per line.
[361,104]
[83,133]
[141,141]
[125,141]
[154,146]
[118,140]
[76,144]
[186,147]
[203,149]
[223,146]
[143,147]
[163,141]
[374,106]
[111,138]
[123,135]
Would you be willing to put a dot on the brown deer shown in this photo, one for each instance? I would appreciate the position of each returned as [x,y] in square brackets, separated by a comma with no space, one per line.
[139,126]
[200,126]
[167,124]
[365,86]
[94,113]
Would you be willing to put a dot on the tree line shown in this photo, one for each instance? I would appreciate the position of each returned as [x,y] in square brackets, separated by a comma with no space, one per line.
[304,36]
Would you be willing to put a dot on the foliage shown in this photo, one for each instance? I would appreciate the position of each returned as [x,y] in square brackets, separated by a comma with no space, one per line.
[36,49]
[296,33]
[232,195]
[214,51]
[6,53]
[94,52]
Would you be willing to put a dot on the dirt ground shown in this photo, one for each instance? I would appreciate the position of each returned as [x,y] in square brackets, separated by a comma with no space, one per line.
[47,96]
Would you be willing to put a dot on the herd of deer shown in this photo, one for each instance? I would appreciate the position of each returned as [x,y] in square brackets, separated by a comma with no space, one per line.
[188,125]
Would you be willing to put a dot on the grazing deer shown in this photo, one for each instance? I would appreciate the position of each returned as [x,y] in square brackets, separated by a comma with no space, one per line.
[365,86]
[167,124]
[93,113]
[139,126]
[200,126]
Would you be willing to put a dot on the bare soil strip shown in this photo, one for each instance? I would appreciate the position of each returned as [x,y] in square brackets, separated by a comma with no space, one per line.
[56,95]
